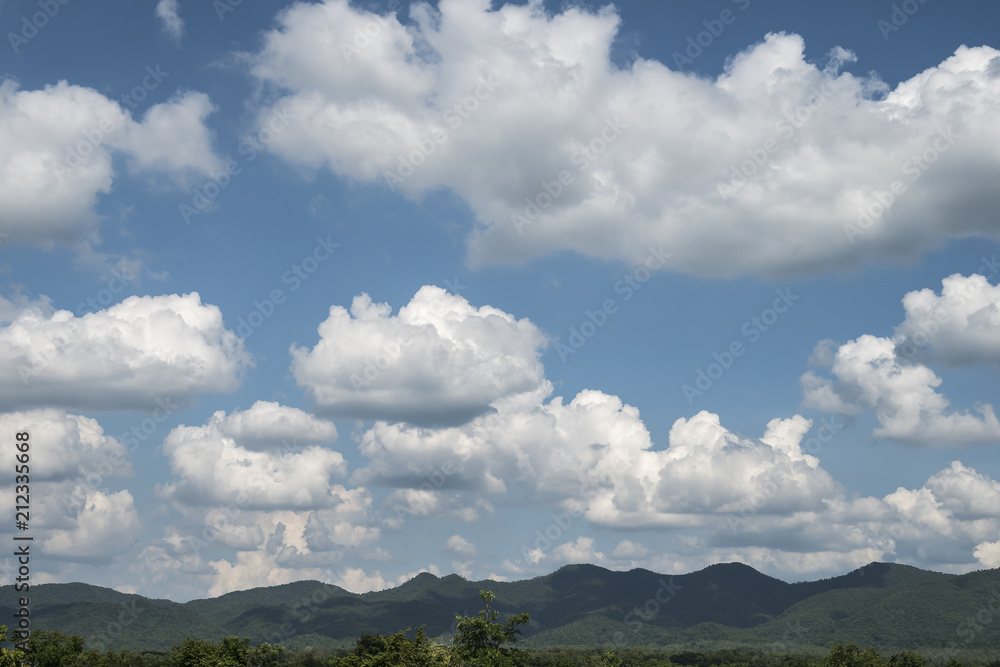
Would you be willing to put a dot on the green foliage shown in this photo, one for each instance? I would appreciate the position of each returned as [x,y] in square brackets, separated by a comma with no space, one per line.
[479,640]
[397,649]
[611,659]
[9,658]
[229,652]
[54,649]
[852,656]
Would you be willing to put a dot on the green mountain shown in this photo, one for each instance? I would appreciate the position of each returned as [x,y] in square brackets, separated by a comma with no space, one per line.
[892,607]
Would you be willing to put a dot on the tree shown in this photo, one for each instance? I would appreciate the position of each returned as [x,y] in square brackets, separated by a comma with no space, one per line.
[9,658]
[479,640]
[231,652]
[852,656]
[46,648]
[397,649]
[906,659]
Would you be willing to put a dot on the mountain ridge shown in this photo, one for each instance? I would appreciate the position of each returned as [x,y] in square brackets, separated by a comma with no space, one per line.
[886,605]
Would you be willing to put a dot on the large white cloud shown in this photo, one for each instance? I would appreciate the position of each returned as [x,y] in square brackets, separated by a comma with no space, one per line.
[124,357]
[889,376]
[268,424]
[216,469]
[959,326]
[495,105]
[870,374]
[57,145]
[595,457]
[439,360]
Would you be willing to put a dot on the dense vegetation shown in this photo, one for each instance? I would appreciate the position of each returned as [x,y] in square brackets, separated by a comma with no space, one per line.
[728,606]
[479,641]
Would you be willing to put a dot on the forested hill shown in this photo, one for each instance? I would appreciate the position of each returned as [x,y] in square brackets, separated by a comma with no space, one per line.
[889,606]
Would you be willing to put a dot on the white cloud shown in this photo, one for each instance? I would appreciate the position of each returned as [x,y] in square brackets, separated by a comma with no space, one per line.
[107,526]
[595,456]
[460,546]
[173,138]
[871,375]
[959,326]
[494,105]
[579,551]
[72,463]
[629,549]
[988,554]
[269,425]
[57,147]
[252,569]
[438,361]
[168,11]
[124,357]
[216,469]
[356,580]
[75,447]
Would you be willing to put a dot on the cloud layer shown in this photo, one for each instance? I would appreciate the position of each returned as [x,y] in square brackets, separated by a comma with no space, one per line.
[57,147]
[776,166]
[124,357]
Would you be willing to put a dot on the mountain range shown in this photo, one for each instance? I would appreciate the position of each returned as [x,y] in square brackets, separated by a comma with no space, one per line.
[729,605]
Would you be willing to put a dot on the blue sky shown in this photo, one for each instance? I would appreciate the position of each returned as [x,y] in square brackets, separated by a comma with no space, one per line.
[352,291]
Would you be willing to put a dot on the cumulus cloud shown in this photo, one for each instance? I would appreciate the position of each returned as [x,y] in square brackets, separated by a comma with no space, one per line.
[72,463]
[168,12]
[124,357]
[871,375]
[497,104]
[57,147]
[106,527]
[217,469]
[959,326]
[988,554]
[356,580]
[595,456]
[439,360]
[268,425]
[76,447]
[459,546]
[579,551]
[890,377]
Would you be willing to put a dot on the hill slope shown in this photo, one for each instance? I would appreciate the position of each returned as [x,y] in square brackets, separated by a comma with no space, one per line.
[884,605]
